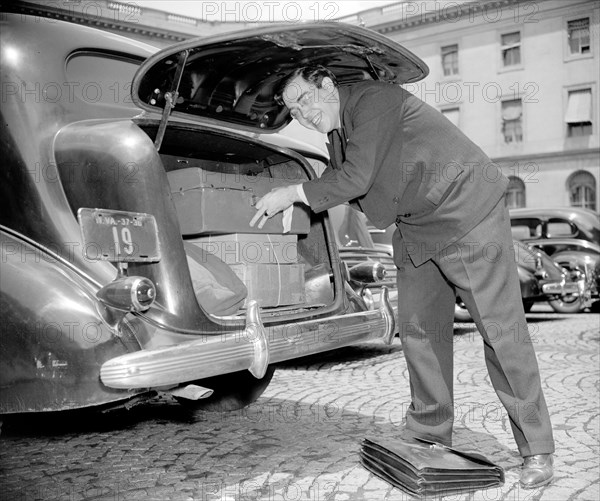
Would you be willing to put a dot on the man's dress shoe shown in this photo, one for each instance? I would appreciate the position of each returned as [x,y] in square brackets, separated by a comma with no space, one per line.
[537,470]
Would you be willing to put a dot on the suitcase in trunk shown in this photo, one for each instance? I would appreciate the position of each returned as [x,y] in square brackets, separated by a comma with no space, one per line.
[272,284]
[250,247]
[216,202]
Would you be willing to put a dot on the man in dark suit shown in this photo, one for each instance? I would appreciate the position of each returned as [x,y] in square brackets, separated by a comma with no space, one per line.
[401,161]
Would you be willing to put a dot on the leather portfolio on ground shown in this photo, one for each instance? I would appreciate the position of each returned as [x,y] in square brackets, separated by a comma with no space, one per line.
[424,468]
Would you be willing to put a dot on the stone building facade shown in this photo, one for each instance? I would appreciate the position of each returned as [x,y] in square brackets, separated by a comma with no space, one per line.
[519,77]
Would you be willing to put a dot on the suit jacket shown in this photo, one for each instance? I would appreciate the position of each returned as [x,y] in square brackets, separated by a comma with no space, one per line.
[403,161]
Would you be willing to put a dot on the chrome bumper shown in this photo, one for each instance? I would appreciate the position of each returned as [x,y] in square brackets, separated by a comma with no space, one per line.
[253,348]
[562,288]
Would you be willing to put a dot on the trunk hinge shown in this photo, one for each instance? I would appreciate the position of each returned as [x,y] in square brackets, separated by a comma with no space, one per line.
[171,98]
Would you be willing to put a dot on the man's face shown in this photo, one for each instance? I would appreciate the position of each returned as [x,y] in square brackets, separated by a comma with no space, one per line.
[315,108]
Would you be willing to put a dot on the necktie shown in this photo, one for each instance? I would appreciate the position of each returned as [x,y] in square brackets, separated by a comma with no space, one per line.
[336,148]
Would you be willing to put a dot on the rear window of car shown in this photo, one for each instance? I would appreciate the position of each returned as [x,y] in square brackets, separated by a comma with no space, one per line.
[97,77]
[526,228]
[560,228]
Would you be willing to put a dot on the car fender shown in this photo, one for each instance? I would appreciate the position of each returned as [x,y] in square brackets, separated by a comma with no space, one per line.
[573,260]
[53,335]
[115,165]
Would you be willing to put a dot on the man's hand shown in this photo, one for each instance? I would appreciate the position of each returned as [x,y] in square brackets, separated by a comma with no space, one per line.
[277,200]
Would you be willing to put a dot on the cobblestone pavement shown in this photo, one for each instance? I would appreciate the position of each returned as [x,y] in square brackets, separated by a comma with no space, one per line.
[300,440]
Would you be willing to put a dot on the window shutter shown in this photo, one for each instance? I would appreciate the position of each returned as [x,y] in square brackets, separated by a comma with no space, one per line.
[512,110]
[579,107]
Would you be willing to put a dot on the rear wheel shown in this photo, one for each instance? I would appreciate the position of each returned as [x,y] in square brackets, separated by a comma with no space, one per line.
[569,303]
[230,391]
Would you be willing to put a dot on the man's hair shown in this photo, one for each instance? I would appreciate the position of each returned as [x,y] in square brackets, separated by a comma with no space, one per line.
[313,74]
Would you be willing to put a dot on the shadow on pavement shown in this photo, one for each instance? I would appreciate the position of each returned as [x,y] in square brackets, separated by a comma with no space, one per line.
[540,317]
[295,439]
[347,354]
[80,421]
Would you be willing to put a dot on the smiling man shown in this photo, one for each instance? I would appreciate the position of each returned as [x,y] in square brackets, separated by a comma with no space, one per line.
[314,101]
[400,161]
[315,107]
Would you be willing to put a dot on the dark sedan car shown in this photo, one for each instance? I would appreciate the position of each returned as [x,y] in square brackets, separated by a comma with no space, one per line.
[581,258]
[129,178]
[555,222]
[571,236]
[541,279]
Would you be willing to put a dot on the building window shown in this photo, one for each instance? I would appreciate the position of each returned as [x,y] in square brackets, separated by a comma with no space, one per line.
[512,121]
[450,60]
[451,114]
[579,36]
[511,49]
[582,190]
[515,194]
[579,113]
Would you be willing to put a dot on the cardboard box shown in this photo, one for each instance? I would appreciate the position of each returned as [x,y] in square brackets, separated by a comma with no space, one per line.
[272,284]
[217,202]
[251,247]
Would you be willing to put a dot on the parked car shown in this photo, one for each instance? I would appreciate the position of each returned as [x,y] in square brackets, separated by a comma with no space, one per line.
[555,222]
[128,265]
[540,278]
[571,236]
[581,258]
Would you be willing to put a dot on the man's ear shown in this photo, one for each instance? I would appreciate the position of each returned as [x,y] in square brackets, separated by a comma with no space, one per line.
[327,84]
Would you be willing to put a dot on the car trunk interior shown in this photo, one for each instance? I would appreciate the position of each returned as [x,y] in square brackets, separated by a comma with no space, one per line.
[215,179]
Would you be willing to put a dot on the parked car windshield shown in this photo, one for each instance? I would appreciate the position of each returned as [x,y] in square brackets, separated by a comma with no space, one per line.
[350,226]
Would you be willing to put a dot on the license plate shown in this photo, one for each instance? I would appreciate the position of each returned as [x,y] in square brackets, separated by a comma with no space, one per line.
[119,236]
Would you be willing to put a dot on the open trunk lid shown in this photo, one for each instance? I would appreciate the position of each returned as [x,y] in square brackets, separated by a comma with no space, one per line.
[230,79]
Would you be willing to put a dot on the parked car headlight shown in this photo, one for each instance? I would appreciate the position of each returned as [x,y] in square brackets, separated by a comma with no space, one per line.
[368,272]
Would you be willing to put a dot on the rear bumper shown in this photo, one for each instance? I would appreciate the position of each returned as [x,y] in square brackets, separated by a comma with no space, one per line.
[564,287]
[252,348]
[393,298]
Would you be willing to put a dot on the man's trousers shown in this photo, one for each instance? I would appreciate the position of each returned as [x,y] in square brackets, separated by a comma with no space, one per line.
[481,269]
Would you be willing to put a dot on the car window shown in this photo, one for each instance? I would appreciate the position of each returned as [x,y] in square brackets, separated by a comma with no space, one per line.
[526,228]
[350,227]
[557,227]
[382,236]
[102,77]
[520,232]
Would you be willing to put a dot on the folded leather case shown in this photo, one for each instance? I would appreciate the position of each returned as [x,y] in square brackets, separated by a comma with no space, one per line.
[423,468]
